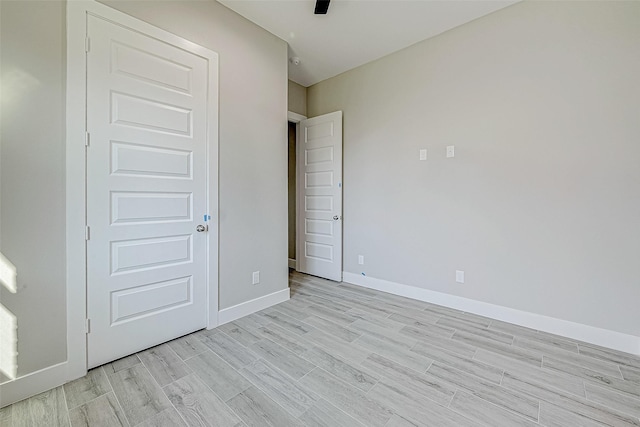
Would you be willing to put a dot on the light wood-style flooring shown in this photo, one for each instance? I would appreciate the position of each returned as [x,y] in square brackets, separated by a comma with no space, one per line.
[340,355]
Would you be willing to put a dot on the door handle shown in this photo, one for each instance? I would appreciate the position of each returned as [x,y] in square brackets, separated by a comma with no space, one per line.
[336,217]
[200,228]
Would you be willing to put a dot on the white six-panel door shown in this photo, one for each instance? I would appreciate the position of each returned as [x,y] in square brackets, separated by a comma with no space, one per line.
[319,154]
[146,191]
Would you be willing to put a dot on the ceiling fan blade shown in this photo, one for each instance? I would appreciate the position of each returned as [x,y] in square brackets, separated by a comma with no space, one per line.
[321,7]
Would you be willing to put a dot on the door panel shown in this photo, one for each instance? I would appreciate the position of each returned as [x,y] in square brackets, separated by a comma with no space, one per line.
[143,113]
[320,193]
[147,207]
[147,300]
[146,190]
[153,162]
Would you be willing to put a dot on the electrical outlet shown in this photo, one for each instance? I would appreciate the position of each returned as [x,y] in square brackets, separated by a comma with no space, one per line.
[256,277]
[361,259]
[451,151]
[423,154]
[459,276]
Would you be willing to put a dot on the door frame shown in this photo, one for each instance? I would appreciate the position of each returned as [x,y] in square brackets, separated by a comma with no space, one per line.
[296,118]
[76,170]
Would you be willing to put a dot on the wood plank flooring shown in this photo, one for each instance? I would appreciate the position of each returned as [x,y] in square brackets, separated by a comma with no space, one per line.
[340,355]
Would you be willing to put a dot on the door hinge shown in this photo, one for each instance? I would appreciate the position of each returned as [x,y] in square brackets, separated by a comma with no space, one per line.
[87,233]
[87,139]
[87,44]
[87,326]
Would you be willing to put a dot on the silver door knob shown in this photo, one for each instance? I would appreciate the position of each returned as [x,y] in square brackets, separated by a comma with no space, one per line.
[200,228]
[336,217]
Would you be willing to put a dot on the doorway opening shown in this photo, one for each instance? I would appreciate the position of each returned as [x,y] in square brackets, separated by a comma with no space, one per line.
[145,152]
[291,195]
[315,194]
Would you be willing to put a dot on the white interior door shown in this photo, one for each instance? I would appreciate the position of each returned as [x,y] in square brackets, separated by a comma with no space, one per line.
[146,191]
[319,159]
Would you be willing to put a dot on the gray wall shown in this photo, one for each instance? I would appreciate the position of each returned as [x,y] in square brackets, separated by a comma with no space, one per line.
[297,98]
[253,158]
[540,206]
[32,198]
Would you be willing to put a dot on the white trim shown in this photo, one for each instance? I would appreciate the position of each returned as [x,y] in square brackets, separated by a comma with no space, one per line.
[298,199]
[300,220]
[213,149]
[295,117]
[75,191]
[248,307]
[591,334]
[23,387]
[76,171]
[293,264]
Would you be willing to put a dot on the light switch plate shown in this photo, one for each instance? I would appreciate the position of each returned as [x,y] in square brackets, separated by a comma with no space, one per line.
[451,151]
[256,277]
[423,154]
[459,276]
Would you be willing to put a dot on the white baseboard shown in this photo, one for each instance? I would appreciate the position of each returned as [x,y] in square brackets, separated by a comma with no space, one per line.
[246,308]
[33,383]
[293,264]
[591,334]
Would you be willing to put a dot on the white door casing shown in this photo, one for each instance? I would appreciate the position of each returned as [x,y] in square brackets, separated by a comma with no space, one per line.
[319,161]
[148,162]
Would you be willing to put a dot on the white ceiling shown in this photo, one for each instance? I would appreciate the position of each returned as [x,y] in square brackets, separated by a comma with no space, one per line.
[355,32]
